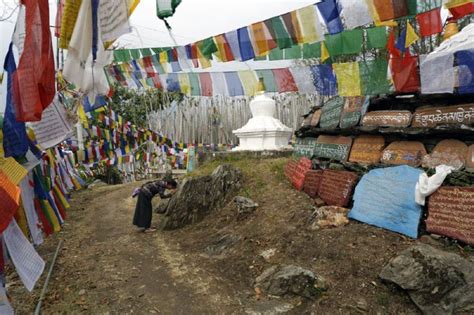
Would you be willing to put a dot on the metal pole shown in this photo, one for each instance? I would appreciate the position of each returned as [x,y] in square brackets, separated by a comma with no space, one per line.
[43,291]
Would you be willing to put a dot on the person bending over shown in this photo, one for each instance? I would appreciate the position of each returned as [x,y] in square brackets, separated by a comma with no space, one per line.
[143,209]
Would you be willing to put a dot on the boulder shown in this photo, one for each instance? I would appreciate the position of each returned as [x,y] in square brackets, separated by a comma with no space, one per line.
[283,280]
[438,282]
[196,197]
[245,205]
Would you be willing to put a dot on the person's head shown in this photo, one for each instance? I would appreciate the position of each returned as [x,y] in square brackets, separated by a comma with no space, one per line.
[171,184]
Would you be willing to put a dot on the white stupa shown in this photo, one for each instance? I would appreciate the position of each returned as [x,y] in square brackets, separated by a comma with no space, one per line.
[263,131]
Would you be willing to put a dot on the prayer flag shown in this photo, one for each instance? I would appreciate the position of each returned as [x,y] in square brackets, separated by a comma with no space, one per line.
[465,61]
[290,28]
[376,17]
[352,41]
[224,50]
[324,80]
[282,36]
[400,45]
[206,84]
[355,13]
[15,140]
[195,84]
[303,78]
[405,73]
[411,37]
[330,11]
[460,11]
[233,40]
[249,82]
[284,80]
[333,43]
[311,28]
[297,27]
[312,50]
[293,52]
[34,78]
[233,84]
[373,74]
[68,21]
[262,40]
[376,37]
[246,49]
[268,80]
[437,73]
[203,60]
[348,78]
[430,22]
[184,83]
[324,52]
[276,54]
[219,85]
[391,9]
[207,47]
[10,196]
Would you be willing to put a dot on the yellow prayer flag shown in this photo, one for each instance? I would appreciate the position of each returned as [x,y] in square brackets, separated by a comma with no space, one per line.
[296,26]
[184,83]
[68,21]
[249,81]
[20,217]
[163,57]
[308,19]
[82,116]
[260,39]
[324,52]
[411,37]
[348,78]
[12,169]
[205,63]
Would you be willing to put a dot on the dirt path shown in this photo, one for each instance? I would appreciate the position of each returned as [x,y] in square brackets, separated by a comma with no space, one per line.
[107,266]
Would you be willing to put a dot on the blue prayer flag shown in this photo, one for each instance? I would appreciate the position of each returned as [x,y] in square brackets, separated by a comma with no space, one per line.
[246,48]
[401,41]
[330,11]
[233,84]
[232,38]
[465,61]
[15,140]
[324,80]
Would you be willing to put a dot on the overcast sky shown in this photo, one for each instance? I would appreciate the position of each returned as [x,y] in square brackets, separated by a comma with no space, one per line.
[193,20]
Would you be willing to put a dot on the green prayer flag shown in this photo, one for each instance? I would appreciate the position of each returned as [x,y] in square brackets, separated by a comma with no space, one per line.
[352,41]
[208,47]
[377,37]
[195,84]
[276,54]
[268,80]
[312,50]
[135,53]
[334,44]
[373,75]
[146,52]
[412,7]
[293,52]
[282,37]
[121,55]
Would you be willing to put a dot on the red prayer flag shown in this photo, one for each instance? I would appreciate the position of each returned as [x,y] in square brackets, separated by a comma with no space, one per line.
[59,17]
[150,71]
[405,73]
[206,84]
[391,46]
[462,10]
[157,81]
[33,81]
[284,80]
[430,22]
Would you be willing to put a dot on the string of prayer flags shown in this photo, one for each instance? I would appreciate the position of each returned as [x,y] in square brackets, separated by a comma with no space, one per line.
[405,73]
[34,79]
[348,78]
[330,11]
[430,22]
